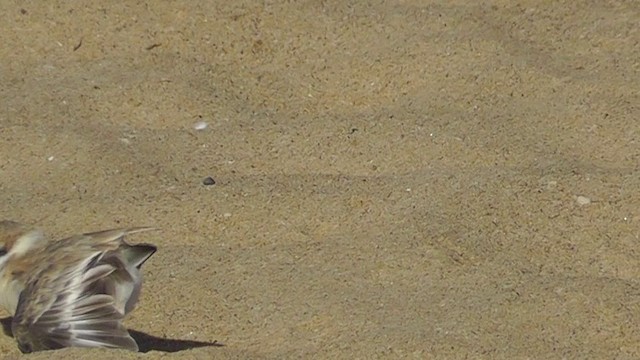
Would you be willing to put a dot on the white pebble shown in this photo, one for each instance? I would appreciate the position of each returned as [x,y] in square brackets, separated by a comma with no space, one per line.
[583,200]
[200,125]
[50,158]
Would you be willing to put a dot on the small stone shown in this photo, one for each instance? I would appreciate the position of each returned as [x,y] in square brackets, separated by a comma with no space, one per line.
[583,200]
[208,181]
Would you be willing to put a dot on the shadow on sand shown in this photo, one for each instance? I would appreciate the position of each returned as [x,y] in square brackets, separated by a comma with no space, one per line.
[145,341]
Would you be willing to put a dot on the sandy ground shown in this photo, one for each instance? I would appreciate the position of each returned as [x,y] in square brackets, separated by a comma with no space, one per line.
[393,179]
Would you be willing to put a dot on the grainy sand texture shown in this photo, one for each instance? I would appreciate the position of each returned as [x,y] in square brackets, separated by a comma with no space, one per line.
[393,179]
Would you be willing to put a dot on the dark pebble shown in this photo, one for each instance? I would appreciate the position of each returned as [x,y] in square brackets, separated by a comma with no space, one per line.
[208,181]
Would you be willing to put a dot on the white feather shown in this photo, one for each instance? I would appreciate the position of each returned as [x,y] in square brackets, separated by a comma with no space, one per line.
[26,242]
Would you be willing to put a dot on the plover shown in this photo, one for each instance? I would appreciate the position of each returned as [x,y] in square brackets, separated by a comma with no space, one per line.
[71,292]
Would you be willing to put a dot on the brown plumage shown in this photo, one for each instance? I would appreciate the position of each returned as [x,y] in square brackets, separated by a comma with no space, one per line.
[71,292]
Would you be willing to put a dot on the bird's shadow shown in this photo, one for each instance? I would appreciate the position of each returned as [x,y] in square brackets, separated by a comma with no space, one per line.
[145,341]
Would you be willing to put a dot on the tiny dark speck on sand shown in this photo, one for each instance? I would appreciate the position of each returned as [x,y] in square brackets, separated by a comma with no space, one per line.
[208,181]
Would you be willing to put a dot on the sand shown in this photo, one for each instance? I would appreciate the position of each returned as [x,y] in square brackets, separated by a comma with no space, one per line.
[393,179]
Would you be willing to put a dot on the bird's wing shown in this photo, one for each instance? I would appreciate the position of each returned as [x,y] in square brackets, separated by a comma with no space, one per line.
[70,308]
[125,282]
[114,236]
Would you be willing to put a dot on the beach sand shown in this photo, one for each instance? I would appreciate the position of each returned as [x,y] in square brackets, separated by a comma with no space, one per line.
[393,179]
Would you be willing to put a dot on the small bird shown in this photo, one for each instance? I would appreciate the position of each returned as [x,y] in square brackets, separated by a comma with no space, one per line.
[71,292]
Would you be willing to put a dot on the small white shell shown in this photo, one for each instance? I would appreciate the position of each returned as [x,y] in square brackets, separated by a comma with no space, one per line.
[583,200]
[200,125]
